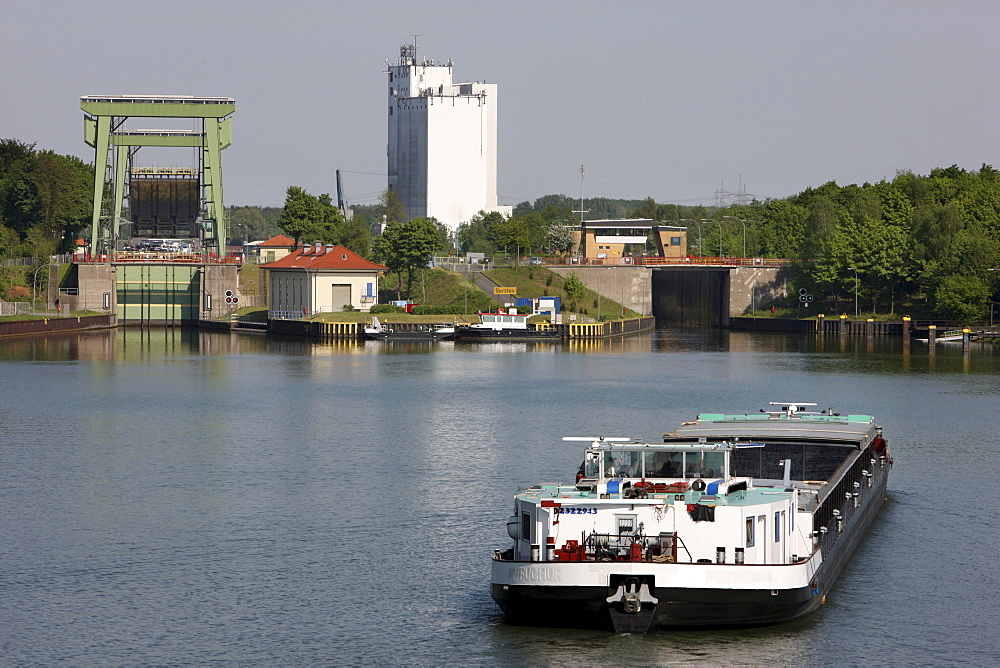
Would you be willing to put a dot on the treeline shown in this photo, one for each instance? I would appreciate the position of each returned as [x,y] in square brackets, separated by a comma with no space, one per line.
[253,223]
[45,200]
[929,244]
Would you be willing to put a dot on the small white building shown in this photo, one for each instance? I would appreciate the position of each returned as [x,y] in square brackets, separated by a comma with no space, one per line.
[442,144]
[321,279]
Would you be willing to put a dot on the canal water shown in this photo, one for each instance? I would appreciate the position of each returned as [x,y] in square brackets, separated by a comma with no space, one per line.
[182,497]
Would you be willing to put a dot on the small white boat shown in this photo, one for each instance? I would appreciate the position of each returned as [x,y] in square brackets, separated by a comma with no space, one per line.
[377,331]
[733,520]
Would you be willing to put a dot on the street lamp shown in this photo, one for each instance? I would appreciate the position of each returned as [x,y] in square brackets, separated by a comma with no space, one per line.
[712,220]
[992,303]
[857,286]
[692,220]
[743,222]
[34,283]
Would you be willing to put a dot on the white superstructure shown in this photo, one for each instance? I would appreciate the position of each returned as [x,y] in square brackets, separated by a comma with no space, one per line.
[442,145]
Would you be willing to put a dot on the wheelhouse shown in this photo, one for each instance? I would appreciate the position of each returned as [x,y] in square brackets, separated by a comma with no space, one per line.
[644,461]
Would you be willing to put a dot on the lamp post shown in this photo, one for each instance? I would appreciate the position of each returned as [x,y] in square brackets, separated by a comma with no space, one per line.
[34,284]
[712,220]
[598,295]
[992,303]
[743,222]
[692,220]
[857,286]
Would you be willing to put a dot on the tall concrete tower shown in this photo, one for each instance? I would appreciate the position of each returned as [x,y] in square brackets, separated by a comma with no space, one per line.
[442,148]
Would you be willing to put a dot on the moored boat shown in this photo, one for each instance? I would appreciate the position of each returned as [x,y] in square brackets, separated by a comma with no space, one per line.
[377,331]
[731,520]
[510,326]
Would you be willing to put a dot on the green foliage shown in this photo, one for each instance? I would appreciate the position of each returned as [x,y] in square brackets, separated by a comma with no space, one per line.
[963,298]
[477,303]
[307,219]
[386,308]
[558,239]
[511,234]
[474,236]
[574,287]
[407,247]
[45,200]
[390,208]
[253,223]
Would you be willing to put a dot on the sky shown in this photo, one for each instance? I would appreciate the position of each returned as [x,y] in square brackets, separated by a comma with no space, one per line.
[670,100]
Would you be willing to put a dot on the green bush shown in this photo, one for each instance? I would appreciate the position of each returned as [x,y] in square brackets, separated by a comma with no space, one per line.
[386,308]
[574,287]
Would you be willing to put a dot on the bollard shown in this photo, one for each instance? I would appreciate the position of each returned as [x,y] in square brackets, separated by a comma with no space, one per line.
[966,339]
[906,331]
[843,324]
[931,335]
[870,327]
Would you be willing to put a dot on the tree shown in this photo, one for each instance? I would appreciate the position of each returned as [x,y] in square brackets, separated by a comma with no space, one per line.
[248,223]
[356,236]
[574,287]
[44,198]
[783,224]
[963,297]
[300,211]
[474,237]
[558,239]
[390,207]
[511,234]
[407,247]
[308,218]
[646,209]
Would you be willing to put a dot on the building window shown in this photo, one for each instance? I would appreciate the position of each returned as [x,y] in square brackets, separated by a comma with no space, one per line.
[675,241]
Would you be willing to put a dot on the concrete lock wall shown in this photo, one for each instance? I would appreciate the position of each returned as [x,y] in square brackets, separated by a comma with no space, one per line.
[627,285]
[217,279]
[93,281]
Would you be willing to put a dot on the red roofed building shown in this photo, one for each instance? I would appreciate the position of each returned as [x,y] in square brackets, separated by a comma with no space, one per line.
[275,248]
[321,279]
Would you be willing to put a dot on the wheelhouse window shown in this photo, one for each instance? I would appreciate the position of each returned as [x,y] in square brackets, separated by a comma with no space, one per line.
[704,464]
[664,464]
[750,536]
[622,464]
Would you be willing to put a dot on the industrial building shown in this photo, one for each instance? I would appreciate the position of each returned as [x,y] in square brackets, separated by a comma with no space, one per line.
[442,143]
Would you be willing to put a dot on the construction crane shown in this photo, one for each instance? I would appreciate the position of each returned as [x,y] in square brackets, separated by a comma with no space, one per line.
[341,200]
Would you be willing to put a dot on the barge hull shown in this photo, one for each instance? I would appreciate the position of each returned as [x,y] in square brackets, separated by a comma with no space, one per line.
[585,607]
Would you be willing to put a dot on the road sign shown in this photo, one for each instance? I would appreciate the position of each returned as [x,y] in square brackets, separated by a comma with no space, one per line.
[504,291]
